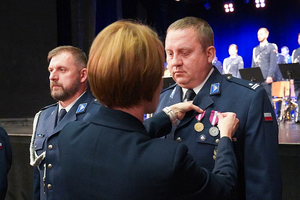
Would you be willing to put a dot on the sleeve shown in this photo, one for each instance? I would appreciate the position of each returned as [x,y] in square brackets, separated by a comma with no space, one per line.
[225,67]
[5,161]
[273,62]
[159,125]
[36,184]
[241,66]
[198,183]
[261,152]
[293,56]
[253,57]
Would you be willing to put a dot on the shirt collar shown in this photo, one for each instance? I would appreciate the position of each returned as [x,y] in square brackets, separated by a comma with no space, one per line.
[264,43]
[69,106]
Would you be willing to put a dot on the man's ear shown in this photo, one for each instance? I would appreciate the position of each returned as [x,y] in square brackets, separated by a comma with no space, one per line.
[83,74]
[211,53]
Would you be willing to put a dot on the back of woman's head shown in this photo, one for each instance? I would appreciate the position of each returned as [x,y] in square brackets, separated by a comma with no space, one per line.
[125,64]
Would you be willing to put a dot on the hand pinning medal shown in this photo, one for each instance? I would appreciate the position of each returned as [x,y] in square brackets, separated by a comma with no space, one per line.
[199,125]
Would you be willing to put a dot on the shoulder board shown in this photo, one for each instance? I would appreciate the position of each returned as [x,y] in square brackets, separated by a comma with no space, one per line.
[169,88]
[95,101]
[243,82]
[46,107]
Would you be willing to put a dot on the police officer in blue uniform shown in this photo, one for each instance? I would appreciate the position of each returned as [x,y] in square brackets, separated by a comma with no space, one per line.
[233,63]
[264,56]
[190,51]
[5,161]
[68,85]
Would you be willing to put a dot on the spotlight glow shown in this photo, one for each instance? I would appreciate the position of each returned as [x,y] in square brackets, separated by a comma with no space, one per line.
[260,3]
[228,7]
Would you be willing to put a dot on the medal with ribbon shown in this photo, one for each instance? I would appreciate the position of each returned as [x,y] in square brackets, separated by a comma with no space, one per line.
[213,118]
[199,125]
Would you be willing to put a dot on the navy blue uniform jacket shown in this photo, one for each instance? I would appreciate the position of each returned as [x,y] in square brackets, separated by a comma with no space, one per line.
[46,136]
[5,161]
[255,142]
[112,157]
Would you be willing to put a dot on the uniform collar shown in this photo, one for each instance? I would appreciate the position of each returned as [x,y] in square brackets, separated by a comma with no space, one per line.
[68,108]
[199,87]
[117,119]
[264,43]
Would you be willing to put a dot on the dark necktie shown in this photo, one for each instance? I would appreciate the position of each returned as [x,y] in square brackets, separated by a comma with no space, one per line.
[190,94]
[61,114]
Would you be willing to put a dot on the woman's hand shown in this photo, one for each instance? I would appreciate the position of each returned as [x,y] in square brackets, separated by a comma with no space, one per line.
[180,109]
[228,124]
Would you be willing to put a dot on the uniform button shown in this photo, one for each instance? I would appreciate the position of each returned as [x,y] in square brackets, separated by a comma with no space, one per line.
[202,137]
[214,157]
[49,166]
[215,152]
[50,146]
[217,141]
[35,146]
[179,139]
[49,186]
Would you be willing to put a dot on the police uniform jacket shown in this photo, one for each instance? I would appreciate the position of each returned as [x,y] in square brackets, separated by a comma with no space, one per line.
[112,157]
[265,58]
[232,65]
[256,139]
[45,140]
[5,161]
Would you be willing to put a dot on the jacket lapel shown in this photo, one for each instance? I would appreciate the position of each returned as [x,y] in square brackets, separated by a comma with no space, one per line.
[205,97]
[176,96]
[77,109]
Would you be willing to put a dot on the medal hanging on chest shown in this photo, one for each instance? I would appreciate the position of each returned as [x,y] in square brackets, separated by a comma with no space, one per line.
[213,118]
[199,125]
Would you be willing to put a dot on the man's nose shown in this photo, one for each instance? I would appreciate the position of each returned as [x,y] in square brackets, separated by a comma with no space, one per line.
[175,61]
[53,76]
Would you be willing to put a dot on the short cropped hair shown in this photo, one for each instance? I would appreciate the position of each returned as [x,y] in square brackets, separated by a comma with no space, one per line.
[203,29]
[126,63]
[233,45]
[78,55]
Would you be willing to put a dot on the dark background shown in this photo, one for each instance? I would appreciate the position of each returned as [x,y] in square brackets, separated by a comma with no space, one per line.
[30,29]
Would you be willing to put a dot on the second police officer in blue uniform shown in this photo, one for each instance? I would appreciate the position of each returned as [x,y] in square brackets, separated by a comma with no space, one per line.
[68,85]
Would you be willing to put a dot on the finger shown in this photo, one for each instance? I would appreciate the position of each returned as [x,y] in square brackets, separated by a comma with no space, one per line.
[220,115]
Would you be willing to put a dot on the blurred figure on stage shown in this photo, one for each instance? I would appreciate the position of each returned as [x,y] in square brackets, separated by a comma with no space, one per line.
[296,59]
[279,57]
[296,53]
[286,53]
[264,56]
[5,161]
[234,62]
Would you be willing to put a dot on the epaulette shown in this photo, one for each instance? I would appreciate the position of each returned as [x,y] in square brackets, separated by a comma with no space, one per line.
[95,101]
[46,107]
[168,88]
[242,82]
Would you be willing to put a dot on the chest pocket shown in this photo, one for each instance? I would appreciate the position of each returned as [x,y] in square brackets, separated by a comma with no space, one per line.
[39,142]
[205,137]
